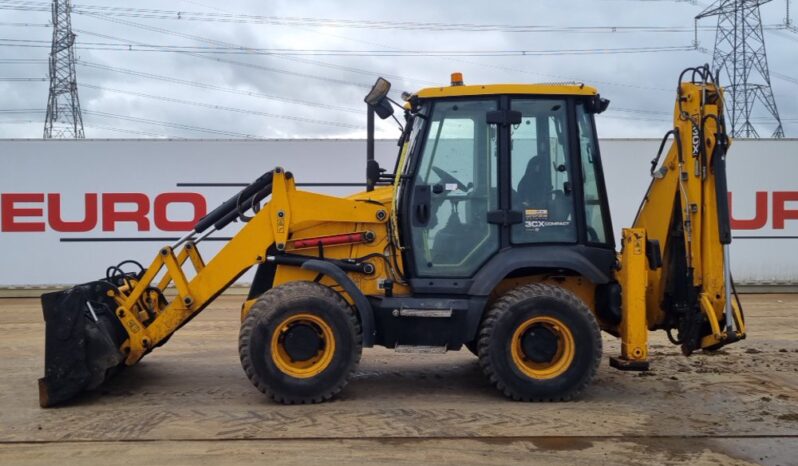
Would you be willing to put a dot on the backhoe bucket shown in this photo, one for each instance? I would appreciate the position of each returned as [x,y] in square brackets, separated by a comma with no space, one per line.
[82,341]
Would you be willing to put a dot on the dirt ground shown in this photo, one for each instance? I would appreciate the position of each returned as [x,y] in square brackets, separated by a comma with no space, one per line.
[190,403]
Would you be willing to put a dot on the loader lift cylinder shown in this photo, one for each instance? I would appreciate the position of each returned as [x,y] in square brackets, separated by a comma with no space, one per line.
[223,215]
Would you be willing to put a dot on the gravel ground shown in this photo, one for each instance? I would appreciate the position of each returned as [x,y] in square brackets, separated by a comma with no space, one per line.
[190,403]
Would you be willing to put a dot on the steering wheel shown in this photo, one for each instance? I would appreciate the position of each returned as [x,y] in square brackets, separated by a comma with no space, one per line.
[447,178]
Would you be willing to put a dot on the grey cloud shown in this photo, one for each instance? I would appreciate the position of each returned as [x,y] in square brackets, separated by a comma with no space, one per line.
[644,82]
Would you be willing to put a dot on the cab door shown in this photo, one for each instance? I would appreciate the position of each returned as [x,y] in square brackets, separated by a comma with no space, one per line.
[542,172]
[454,187]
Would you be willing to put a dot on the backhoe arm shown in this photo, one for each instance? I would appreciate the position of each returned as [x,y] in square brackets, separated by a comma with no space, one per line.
[675,272]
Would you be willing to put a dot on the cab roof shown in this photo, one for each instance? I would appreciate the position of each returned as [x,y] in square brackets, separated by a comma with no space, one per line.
[497,89]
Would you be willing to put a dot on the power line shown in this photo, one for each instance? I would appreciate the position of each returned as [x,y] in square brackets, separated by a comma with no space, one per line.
[22,61]
[377,53]
[129,131]
[15,111]
[340,23]
[224,108]
[454,60]
[23,79]
[245,64]
[354,70]
[170,124]
[25,25]
[403,78]
[370,73]
[785,34]
[18,121]
[214,87]
[784,77]
[351,53]
[107,128]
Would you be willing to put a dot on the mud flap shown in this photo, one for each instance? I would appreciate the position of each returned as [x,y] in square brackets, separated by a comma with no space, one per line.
[82,340]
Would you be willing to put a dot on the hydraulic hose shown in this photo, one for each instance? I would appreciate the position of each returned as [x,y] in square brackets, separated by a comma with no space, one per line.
[230,206]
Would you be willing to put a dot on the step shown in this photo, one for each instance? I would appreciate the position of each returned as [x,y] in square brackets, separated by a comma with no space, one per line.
[420,349]
[429,313]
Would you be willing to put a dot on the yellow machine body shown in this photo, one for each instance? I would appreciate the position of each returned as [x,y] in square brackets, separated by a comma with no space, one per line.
[293,224]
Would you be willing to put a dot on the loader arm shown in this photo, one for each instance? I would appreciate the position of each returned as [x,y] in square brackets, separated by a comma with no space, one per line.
[287,211]
[138,303]
[675,272]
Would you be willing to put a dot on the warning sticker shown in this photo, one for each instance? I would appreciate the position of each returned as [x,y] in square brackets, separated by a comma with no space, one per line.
[530,214]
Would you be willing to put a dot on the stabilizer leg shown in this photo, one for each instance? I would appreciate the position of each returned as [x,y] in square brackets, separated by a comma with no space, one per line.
[634,280]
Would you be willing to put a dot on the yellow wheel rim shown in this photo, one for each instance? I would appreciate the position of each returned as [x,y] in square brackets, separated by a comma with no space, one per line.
[558,364]
[316,363]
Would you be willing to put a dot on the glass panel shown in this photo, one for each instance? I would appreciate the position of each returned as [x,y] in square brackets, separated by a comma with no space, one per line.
[458,165]
[540,171]
[594,218]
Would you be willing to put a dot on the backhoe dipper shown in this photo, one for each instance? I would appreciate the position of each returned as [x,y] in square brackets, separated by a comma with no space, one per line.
[493,233]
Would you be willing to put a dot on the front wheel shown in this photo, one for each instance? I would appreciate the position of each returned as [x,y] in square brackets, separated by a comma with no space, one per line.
[539,342]
[300,343]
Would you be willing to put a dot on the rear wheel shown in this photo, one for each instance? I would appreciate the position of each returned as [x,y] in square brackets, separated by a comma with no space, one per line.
[539,342]
[300,343]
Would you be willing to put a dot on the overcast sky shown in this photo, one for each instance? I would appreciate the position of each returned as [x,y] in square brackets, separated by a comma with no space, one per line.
[640,85]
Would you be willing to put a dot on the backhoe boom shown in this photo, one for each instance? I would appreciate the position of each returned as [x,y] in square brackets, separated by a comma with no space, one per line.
[684,220]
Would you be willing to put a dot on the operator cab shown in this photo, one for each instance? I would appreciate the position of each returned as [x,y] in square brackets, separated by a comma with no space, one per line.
[499,167]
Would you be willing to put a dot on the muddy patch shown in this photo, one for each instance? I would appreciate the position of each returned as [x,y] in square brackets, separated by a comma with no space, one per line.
[561,443]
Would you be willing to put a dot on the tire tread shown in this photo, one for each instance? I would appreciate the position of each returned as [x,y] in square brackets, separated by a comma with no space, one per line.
[264,308]
[503,306]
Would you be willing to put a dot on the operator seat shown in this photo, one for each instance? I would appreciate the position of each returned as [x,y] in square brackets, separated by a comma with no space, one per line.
[534,191]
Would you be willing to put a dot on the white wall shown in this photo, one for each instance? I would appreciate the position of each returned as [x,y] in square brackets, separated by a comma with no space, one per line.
[153,167]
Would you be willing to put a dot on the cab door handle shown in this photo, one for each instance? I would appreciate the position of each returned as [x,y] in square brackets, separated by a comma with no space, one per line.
[422,198]
[422,213]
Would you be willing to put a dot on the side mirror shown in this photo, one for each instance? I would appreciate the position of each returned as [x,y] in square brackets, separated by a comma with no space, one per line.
[596,104]
[377,98]
[378,92]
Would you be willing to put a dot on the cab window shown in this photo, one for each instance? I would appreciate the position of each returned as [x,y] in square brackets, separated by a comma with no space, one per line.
[594,217]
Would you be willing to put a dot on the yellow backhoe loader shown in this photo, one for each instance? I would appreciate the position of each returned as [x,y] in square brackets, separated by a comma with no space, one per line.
[493,233]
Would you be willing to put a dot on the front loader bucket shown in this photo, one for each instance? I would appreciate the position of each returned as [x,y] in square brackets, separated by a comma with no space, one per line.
[82,341]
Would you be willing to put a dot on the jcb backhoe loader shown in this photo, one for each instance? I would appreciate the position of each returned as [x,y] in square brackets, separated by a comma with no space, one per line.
[493,233]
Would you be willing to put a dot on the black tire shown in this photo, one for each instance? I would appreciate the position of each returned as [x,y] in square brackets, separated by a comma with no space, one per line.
[530,303]
[265,318]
